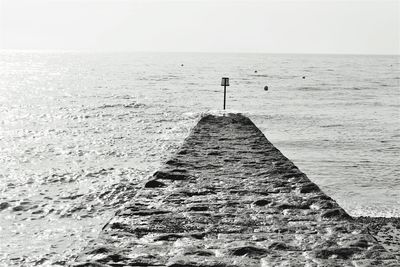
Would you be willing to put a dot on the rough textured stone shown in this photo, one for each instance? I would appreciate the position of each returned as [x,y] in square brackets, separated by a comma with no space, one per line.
[230,198]
[386,231]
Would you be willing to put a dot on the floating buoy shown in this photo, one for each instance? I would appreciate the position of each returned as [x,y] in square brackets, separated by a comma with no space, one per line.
[255,71]
[266,88]
[304,77]
[181,65]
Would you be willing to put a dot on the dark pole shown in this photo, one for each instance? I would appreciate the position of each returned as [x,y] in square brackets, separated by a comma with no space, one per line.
[224,96]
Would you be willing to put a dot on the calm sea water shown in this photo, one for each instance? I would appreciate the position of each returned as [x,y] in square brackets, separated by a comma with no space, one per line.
[78,132]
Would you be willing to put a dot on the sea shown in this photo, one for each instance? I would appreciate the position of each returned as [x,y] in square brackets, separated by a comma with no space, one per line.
[81,131]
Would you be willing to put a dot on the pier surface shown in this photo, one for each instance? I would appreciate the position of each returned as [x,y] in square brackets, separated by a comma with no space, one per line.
[230,198]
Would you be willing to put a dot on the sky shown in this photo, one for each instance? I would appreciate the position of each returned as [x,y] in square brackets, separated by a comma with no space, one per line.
[331,27]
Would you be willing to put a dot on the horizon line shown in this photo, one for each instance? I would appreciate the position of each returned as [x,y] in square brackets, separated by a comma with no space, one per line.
[42,50]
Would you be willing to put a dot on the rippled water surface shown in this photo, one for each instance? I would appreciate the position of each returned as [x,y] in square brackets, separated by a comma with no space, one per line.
[80,131]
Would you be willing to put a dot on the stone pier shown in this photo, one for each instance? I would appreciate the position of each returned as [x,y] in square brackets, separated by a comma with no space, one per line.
[228,197]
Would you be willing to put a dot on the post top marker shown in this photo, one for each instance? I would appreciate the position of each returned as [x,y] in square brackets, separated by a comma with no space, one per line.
[225,81]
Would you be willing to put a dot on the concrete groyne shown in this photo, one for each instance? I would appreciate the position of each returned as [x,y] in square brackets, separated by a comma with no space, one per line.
[230,198]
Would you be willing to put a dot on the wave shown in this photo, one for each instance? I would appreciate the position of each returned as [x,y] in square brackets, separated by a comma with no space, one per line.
[273,76]
[308,88]
[130,105]
[332,125]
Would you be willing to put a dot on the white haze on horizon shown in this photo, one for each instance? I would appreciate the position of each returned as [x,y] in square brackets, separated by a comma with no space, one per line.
[338,27]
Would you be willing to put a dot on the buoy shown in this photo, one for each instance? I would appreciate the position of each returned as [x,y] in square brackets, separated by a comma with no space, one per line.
[255,71]
[304,77]
[181,65]
[266,88]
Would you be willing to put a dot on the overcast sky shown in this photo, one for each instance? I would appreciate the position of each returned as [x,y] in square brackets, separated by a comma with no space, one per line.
[349,27]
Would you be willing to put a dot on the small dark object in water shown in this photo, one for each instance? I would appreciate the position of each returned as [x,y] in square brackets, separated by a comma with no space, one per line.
[304,77]
[181,65]
[255,71]
[266,88]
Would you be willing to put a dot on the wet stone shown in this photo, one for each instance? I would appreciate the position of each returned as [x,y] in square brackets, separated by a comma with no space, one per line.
[248,251]
[170,175]
[335,214]
[278,246]
[309,188]
[154,184]
[4,206]
[262,202]
[198,208]
[228,197]
[340,253]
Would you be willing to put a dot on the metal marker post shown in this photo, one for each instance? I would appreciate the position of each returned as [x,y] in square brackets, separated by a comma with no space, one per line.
[225,83]
[224,96]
